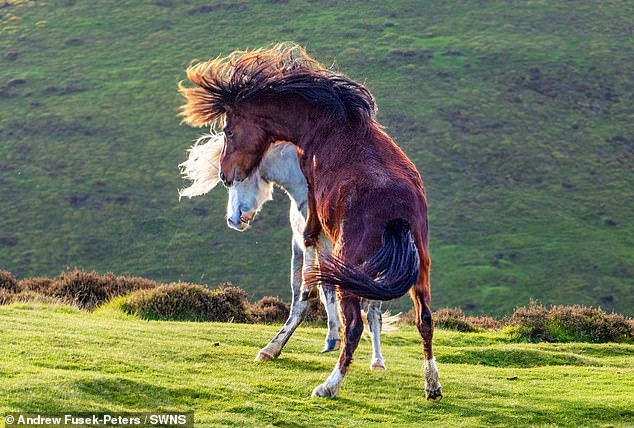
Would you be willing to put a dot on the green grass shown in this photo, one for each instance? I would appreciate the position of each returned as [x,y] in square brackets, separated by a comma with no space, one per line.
[518,115]
[56,359]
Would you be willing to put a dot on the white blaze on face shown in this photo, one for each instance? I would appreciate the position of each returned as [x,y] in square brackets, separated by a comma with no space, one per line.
[246,199]
[233,209]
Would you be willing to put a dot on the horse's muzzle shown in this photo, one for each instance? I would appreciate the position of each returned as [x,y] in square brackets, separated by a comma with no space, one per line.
[239,225]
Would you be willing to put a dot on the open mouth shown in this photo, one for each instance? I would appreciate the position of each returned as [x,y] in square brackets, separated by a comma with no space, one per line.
[246,218]
[242,223]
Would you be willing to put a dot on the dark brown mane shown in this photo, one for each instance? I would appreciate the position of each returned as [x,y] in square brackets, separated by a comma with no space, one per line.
[284,69]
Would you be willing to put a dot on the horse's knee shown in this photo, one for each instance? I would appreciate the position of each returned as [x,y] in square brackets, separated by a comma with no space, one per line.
[426,317]
[311,237]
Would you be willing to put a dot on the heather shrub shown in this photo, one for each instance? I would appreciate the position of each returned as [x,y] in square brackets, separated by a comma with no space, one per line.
[316,313]
[84,289]
[568,323]
[127,284]
[485,323]
[455,319]
[40,285]
[452,319]
[28,296]
[630,323]
[88,289]
[188,302]
[269,310]
[530,322]
[6,297]
[8,281]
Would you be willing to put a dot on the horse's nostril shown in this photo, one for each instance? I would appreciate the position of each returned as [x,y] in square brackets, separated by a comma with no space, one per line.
[223,177]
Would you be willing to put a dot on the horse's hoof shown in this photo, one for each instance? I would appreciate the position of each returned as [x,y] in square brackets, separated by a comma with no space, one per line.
[324,391]
[264,356]
[434,395]
[377,365]
[331,345]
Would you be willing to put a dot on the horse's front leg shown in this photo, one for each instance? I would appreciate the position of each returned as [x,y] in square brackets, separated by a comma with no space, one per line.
[375,323]
[353,323]
[298,307]
[312,232]
[329,299]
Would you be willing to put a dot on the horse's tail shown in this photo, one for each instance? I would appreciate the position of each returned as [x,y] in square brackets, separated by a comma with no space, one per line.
[388,274]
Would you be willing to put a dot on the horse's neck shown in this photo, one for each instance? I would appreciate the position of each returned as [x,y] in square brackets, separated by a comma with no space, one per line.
[282,168]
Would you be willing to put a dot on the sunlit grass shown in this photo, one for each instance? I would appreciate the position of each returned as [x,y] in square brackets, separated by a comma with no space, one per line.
[60,359]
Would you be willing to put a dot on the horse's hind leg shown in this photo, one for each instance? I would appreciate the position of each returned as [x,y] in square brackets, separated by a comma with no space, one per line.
[422,298]
[274,348]
[353,323]
[329,299]
[375,322]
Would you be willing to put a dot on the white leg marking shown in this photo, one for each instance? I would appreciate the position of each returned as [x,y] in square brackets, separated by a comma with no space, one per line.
[274,347]
[331,387]
[329,299]
[432,384]
[375,325]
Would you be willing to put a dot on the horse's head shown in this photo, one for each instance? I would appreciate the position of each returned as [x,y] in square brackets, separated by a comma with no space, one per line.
[246,141]
[246,198]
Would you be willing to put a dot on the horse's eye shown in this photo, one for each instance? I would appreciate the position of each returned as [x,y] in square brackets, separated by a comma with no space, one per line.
[229,133]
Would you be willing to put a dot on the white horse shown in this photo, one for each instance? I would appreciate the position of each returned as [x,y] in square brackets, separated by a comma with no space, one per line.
[279,166]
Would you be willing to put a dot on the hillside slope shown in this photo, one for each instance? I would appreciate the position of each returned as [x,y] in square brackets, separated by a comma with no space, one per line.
[519,117]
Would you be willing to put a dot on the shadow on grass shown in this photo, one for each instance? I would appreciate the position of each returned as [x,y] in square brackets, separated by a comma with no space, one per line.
[519,358]
[112,393]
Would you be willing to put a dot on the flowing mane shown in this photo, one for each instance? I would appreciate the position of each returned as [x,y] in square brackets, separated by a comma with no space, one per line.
[202,165]
[285,69]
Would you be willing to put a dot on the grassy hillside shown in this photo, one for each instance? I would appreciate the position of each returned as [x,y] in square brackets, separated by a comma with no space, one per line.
[518,115]
[62,359]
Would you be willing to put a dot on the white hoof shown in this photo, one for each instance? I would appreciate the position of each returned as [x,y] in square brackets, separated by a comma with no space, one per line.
[377,365]
[324,390]
[267,353]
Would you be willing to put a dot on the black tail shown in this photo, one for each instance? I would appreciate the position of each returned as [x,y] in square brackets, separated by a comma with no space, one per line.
[388,274]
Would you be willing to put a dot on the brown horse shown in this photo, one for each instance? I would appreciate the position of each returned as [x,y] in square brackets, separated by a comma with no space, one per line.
[363,192]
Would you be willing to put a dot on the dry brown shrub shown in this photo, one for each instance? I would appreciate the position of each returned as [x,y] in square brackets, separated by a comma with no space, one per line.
[530,322]
[8,281]
[40,285]
[485,323]
[316,313]
[6,297]
[452,319]
[87,290]
[269,310]
[455,319]
[127,284]
[27,296]
[630,323]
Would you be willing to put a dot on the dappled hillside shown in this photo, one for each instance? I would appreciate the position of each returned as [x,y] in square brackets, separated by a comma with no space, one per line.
[519,117]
